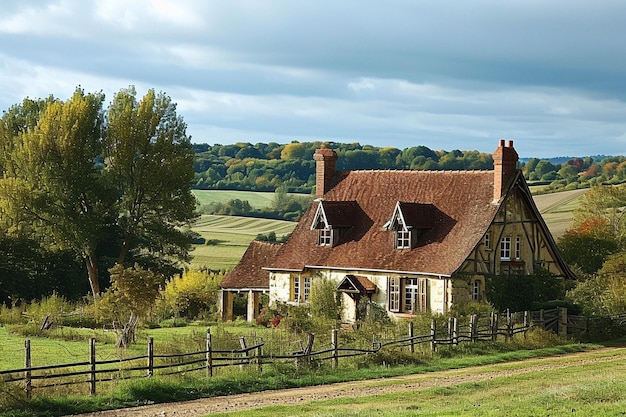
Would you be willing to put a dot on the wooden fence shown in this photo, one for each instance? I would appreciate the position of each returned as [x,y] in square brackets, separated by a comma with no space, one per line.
[94,371]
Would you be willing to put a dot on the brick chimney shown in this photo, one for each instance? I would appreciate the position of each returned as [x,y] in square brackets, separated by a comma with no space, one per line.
[325,160]
[504,167]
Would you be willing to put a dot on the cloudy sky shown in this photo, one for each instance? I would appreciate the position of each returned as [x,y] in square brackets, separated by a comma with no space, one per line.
[445,74]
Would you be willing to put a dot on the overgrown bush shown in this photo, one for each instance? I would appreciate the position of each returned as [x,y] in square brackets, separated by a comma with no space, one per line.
[192,294]
[325,302]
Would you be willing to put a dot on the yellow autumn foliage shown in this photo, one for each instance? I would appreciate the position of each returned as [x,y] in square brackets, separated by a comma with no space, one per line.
[192,293]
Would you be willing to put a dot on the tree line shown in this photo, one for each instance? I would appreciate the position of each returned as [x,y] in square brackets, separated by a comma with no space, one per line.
[269,166]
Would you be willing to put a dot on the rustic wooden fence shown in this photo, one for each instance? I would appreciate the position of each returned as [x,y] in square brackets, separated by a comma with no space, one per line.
[94,371]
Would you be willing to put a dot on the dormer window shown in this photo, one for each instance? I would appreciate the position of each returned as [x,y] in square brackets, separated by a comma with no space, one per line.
[332,219]
[409,221]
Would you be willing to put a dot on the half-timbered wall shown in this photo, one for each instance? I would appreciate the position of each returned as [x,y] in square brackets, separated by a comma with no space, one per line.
[515,243]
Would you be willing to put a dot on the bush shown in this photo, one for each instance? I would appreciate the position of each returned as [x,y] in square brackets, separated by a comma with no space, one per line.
[192,294]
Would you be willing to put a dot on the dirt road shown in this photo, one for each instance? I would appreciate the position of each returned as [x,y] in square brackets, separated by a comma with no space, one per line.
[363,388]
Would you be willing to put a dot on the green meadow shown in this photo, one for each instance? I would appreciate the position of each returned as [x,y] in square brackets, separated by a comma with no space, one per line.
[257,200]
[227,238]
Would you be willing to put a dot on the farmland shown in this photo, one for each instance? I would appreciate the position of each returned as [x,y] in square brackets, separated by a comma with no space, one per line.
[227,237]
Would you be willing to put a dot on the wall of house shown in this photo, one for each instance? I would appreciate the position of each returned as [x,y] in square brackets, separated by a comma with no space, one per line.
[439,294]
[514,219]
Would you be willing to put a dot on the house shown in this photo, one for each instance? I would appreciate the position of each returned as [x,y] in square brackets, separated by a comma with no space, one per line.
[413,241]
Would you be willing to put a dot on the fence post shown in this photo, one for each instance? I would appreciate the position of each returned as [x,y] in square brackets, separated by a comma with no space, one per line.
[259,354]
[411,335]
[27,364]
[209,353]
[563,321]
[150,356]
[493,323]
[472,327]
[92,365]
[244,348]
[526,322]
[455,330]
[334,341]
[509,324]
[433,332]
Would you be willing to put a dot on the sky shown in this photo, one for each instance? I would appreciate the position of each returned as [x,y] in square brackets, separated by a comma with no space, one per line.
[550,75]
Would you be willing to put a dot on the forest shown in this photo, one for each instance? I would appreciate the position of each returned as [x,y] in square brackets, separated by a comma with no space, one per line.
[290,167]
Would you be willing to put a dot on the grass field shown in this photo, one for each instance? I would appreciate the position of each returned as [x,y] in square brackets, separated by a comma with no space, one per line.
[557,209]
[228,237]
[257,200]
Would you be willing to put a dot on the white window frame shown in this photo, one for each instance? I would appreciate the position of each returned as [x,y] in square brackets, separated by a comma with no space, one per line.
[301,289]
[476,290]
[505,248]
[394,294]
[325,237]
[403,239]
[518,247]
[487,241]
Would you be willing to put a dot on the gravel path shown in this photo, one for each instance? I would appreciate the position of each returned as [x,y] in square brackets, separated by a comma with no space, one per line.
[359,388]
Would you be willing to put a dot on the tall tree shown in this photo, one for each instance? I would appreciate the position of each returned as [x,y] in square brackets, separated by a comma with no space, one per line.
[51,185]
[77,178]
[150,159]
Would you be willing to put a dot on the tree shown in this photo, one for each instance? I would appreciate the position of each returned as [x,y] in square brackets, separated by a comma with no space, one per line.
[150,161]
[52,188]
[131,296]
[75,177]
[605,293]
[588,245]
[607,203]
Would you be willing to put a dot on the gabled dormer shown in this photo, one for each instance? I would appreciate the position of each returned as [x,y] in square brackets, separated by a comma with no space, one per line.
[409,221]
[332,219]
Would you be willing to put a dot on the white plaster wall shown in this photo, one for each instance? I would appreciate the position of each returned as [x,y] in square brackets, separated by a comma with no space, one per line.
[437,294]
[279,287]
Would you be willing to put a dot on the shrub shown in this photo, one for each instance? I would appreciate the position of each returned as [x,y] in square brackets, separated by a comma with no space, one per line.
[192,293]
[325,302]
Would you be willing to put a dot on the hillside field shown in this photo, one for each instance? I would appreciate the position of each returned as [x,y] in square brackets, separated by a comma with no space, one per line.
[228,236]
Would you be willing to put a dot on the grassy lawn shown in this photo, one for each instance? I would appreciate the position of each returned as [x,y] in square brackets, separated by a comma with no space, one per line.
[580,389]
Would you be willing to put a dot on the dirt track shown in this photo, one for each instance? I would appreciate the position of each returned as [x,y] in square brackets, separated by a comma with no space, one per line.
[360,388]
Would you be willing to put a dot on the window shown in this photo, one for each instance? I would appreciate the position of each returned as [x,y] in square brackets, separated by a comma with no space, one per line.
[518,247]
[505,248]
[476,290]
[394,294]
[487,241]
[300,289]
[408,295]
[403,239]
[325,237]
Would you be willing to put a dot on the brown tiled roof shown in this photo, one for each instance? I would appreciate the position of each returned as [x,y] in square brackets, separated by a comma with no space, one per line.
[356,284]
[461,212]
[248,273]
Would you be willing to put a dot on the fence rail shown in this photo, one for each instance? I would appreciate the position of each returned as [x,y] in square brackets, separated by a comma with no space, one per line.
[209,359]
